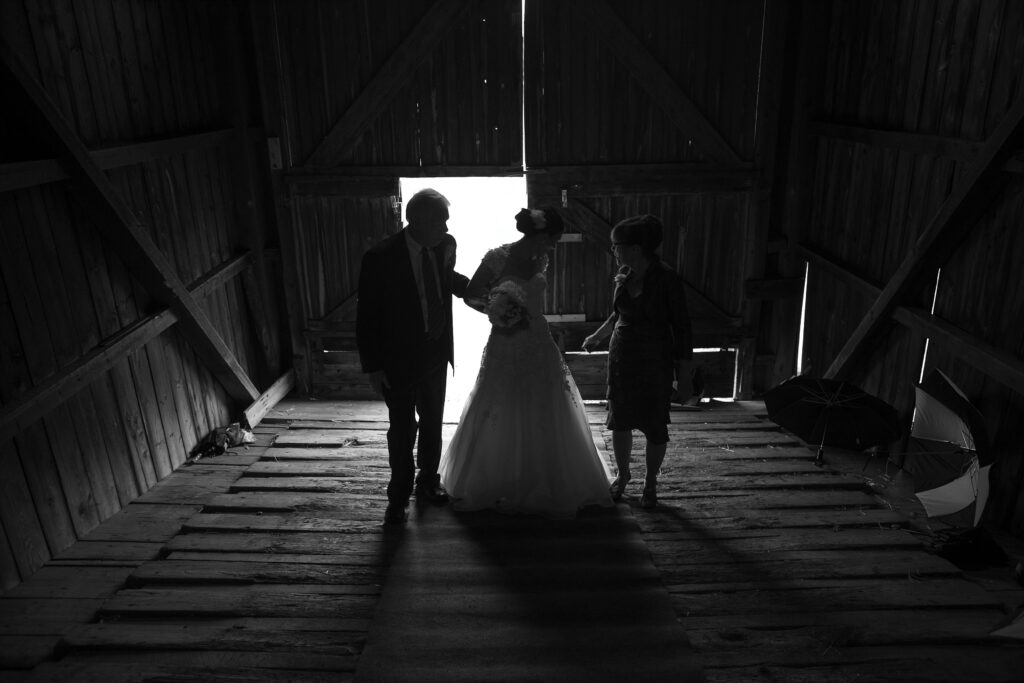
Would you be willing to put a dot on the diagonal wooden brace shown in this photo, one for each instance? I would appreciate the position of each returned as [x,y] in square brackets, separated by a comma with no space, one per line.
[980,184]
[125,233]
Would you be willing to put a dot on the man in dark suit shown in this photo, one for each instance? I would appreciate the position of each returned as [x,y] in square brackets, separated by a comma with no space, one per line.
[404,334]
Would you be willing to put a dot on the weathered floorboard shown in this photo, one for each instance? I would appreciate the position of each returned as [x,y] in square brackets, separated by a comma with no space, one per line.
[272,569]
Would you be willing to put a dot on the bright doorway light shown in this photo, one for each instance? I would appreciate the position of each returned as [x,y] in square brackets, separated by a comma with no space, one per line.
[481,217]
[803,320]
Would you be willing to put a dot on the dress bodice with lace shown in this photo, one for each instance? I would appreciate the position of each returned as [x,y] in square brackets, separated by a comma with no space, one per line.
[496,261]
[523,443]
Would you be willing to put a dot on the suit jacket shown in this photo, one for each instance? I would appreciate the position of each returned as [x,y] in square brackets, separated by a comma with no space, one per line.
[390,330]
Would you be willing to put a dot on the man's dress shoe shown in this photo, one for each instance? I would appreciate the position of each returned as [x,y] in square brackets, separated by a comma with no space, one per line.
[395,514]
[432,494]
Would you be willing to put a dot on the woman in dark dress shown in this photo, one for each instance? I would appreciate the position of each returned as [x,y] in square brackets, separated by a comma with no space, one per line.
[651,340]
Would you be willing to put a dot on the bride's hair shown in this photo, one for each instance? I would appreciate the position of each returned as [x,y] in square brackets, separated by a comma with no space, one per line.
[544,221]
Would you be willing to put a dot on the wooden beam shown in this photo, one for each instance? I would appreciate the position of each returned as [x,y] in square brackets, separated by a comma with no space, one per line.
[1001,366]
[345,308]
[838,270]
[803,67]
[23,174]
[978,186]
[589,222]
[277,115]
[634,179]
[259,408]
[23,410]
[344,186]
[774,288]
[775,35]
[245,158]
[662,88]
[398,70]
[997,364]
[219,275]
[935,145]
[139,152]
[115,220]
[40,400]
[300,174]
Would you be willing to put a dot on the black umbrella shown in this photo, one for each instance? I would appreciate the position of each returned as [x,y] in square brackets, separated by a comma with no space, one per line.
[830,412]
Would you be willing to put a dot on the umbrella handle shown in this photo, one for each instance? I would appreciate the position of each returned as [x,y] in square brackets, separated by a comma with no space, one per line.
[819,459]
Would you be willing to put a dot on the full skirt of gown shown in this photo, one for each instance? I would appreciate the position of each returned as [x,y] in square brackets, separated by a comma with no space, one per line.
[523,443]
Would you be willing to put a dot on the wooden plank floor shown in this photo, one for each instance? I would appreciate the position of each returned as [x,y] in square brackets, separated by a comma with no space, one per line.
[781,571]
[267,564]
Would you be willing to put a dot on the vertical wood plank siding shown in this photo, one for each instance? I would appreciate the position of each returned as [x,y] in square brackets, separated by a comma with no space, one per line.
[583,107]
[335,232]
[460,107]
[596,113]
[120,72]
[950,69]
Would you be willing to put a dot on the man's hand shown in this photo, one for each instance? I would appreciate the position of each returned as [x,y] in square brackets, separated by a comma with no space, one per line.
[590,343]
[379,382]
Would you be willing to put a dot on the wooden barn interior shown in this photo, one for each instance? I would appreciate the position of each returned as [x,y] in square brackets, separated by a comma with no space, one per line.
[186,191]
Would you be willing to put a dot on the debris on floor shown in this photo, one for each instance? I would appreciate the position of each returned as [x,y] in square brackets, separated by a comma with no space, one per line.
[221,439]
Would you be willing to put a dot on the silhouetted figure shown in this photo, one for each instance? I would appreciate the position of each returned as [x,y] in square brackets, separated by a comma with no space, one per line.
[404,335]
[651,341]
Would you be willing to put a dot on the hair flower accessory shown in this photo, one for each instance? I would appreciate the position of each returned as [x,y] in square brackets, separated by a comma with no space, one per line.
[506,307]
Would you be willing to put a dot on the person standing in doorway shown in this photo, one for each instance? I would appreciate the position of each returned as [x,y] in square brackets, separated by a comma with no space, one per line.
[405,341]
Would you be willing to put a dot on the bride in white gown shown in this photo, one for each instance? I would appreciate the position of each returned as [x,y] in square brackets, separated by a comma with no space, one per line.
[523,444]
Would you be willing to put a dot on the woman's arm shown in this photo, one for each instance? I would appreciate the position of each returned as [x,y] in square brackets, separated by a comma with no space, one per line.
[605,331]
[601,333]
[479,286]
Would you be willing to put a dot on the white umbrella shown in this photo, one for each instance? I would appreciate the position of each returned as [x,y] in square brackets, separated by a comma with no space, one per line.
[946,436]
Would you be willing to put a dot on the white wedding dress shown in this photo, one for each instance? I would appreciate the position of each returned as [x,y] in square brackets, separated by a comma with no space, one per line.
[523,444]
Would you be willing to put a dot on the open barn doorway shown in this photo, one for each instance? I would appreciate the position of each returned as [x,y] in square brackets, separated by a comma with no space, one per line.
[482,216]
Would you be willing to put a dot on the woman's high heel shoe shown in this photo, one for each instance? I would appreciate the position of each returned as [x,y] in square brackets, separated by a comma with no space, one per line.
[617,488]
[649,499]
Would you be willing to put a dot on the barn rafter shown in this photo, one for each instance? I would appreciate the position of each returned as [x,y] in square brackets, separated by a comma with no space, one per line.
[997,364]
[982,181]
[128,237]
[187,191]
[384,84]
[679,107]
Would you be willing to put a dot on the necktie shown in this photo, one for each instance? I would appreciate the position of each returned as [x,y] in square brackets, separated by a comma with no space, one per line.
[435,309]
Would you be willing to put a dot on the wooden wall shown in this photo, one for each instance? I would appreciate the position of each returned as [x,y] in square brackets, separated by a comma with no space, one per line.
[145,88]
[357,95]
[458,105]
[653,107]
[904,99]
